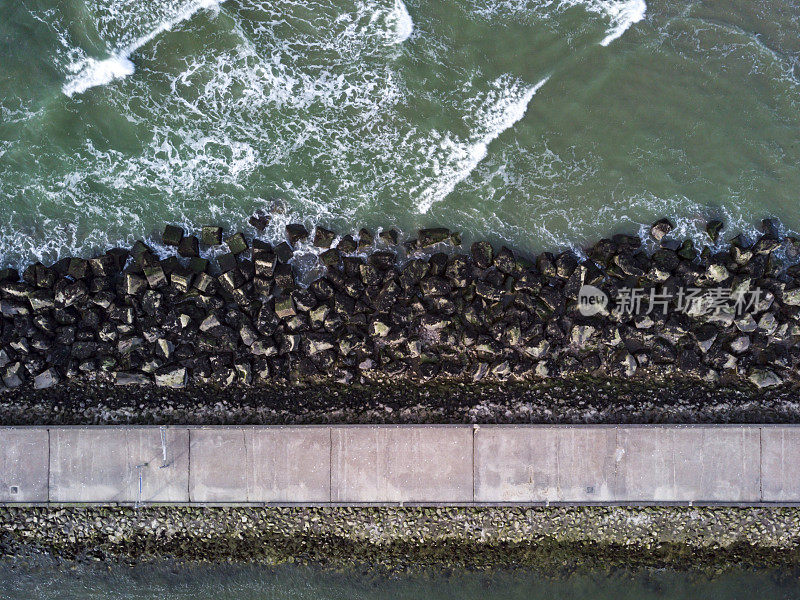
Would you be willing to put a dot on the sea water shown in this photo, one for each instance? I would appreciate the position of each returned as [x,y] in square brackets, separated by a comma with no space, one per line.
[540,124]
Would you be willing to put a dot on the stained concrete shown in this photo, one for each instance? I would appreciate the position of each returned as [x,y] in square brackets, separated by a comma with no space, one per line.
[780,464]
[544,464]
[107,464]
[401,464]
[261,464]
[688,464]
[380,464]
[24,459]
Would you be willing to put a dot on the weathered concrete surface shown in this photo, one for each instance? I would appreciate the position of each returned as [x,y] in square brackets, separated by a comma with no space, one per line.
[261,464]
[105,464]
[401,464]
[688,464]
[780,464]
[24,457]
[544,464]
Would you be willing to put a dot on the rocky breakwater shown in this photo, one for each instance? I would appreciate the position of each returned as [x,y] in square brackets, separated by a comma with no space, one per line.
[385,310]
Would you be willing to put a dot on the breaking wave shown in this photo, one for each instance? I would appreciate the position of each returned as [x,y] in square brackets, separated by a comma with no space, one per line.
[90,72]
[505,106]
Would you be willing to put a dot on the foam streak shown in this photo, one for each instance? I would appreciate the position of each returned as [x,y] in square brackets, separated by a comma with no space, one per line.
[498,118]
[91,72]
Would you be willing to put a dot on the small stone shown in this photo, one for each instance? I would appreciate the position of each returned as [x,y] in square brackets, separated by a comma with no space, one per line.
[172,235]
[661,228]
[791,297]
[237,243]
[379,329]
[210,322]
[717,273]
[164,349]
[46,379]
[746,324]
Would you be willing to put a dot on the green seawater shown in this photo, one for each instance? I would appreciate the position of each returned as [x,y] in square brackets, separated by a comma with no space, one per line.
[534,123]
[48,581]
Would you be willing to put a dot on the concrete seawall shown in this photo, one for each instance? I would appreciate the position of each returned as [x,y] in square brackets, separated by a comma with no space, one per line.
[401,464]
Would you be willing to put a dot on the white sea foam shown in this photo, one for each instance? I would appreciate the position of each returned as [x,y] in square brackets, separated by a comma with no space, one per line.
[91,72]
[622,15]
[502,110]
[400,22]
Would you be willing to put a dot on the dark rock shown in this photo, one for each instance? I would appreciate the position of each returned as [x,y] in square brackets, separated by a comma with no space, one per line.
[365,238]
[331,258]
[713,229]
[504,261]
[231,280]
[435,286]
[347,245]
[211,235]
[237,243]
[204,283]
[687,251]
[284,277]
[284,307]
[323,238]
[383,261]
[156,278]
[78,268]
[227,262]
[284,252]
[413,272]
[435,235]
[389,237]
[181,279]
[122,378]
[259,220]
[766,244]
[482,254]
[172,235]
[566,263]
[198,265]
[296,232]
